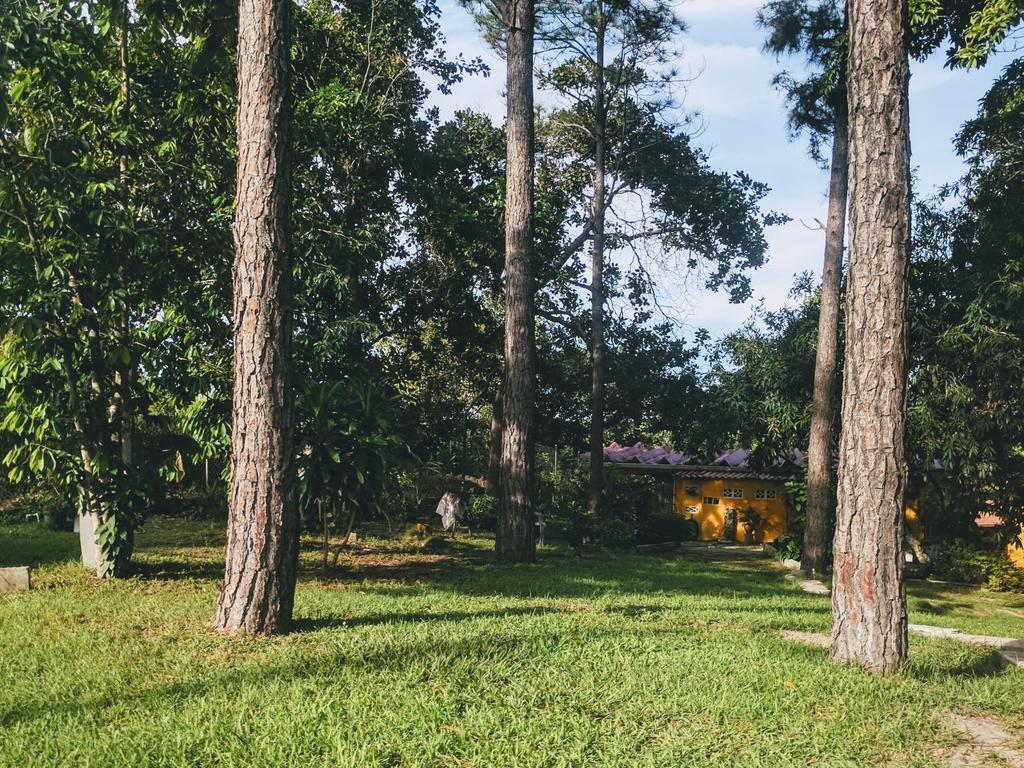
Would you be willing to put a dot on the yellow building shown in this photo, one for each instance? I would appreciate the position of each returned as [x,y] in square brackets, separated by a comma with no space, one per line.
[1016,553]
[718,499]
[720,493]
[988,521]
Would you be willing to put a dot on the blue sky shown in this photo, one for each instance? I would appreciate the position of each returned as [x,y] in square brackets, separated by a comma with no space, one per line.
[744,128]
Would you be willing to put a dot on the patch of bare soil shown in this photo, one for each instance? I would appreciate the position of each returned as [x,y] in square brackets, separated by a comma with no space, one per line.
[404,562]
[984,743]
[816,639]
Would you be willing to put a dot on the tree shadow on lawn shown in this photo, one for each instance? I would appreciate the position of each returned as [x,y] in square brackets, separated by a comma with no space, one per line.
[466,568]
[441,651]
[34,545]
[613,574]
[150,568]
[958,660]
[321,623]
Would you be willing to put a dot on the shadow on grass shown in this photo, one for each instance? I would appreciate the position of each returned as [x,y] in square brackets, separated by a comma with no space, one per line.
[613,574]
[395,657]
[972,662]
[414,617]
[34,544]
[932,609]
[153,569]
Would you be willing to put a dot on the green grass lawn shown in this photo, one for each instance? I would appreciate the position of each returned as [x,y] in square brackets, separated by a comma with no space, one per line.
[406,658]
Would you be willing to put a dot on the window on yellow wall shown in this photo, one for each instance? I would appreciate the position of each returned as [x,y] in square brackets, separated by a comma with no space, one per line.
[691,490]
[691,509]
[732,493]
[711,500]
[764,493]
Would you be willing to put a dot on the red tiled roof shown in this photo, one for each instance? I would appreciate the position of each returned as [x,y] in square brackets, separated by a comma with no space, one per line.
[735,463]
[735,473]
[988,520]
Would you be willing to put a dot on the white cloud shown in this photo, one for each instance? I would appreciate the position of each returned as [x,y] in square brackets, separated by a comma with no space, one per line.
[483,94]
[693,8]
[928,75]
[728,80]
[745,129]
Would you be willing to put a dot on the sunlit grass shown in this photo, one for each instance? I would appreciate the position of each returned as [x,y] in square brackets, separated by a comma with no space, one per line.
[442,658]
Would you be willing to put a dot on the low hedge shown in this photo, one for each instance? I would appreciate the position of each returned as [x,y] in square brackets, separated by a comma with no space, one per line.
[962,562]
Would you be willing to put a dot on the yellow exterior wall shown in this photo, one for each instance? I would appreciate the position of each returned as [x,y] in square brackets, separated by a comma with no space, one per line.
[711,517]
[774,513]
[912,518]
[916,528]
[1016,553]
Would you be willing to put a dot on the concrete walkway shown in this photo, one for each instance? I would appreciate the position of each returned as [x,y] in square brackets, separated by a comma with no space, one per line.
[1010,648]
[813,586]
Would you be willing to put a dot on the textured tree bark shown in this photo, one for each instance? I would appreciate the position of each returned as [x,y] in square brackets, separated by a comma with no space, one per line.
[126,374]
[515,535]
[262,553]
[869,608]
[597,278]
[494,453]
[819,450]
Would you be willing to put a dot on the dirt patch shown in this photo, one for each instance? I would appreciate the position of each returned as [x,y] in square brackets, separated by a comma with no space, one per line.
[368,565]
[816,639]
[984,743]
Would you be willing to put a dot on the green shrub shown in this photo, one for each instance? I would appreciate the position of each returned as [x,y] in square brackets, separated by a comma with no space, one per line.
[562,500]
[789,548]
[481,512]
[666,527]
[962,562]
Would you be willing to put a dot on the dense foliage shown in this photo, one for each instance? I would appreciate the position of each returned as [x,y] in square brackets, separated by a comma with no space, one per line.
[117,144]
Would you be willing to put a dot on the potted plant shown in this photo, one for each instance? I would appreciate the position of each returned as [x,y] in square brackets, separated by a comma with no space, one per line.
[751,520]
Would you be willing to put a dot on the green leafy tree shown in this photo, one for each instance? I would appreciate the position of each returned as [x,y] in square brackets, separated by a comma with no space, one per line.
[616,137]
[817,107]
[967,403]
[84,236]
[972,29]
[761,378]
[349,452]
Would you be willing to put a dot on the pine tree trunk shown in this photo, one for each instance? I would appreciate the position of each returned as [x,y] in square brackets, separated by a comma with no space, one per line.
[125,374]
[819,450]
[597,279]
[515,535]
[262,548]
[868,599]
[494,453]
[327,535]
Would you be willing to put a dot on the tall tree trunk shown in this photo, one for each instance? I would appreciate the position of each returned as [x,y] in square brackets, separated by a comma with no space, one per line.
[494,452]
[327,535]
[262,550]
[111,553]
[125,373]
[819,451]
[597,277]
[515,535]
[869,607]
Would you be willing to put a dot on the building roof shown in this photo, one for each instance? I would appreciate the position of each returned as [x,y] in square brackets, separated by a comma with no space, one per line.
[737,463]
[988,520]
